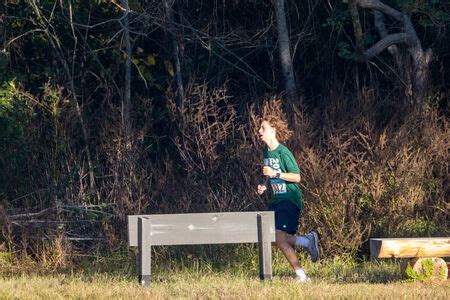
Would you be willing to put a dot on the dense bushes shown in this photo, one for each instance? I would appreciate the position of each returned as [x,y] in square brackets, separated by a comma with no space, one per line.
[359,179]
[74,162]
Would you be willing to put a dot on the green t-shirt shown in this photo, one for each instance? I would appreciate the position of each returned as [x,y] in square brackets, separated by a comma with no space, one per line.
[282,160]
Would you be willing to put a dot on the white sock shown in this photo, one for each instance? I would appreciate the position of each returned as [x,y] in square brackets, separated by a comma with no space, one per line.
[301,241]
[300,273]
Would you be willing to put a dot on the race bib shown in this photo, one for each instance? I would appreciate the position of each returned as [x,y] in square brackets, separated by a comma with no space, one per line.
[278,186]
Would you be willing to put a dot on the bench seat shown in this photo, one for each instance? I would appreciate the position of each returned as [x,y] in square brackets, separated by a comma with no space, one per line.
[409,247]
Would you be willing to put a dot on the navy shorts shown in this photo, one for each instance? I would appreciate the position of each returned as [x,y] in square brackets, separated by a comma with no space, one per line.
[286,216]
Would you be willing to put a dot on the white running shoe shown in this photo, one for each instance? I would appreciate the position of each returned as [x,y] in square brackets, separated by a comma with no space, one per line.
[303,279]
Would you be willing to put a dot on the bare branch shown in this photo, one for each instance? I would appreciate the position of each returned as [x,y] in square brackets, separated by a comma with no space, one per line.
[22,35]
[29,215]
[378,5]
[382,31]
[389,40]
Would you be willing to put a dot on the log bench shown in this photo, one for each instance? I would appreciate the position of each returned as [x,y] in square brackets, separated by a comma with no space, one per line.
[414,251]
[145,231]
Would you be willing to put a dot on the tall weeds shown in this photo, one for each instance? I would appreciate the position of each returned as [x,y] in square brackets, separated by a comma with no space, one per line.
[366,170]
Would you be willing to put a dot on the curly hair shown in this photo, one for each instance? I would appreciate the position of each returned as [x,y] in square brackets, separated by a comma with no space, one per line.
[274,115]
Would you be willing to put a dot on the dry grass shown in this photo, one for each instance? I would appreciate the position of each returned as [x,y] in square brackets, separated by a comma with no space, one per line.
[194,272]
[215,286]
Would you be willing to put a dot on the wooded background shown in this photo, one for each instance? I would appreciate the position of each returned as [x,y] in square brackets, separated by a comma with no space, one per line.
[109,108]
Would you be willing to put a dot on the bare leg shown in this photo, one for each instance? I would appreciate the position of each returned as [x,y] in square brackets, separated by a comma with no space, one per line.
[291,240]
[286,244]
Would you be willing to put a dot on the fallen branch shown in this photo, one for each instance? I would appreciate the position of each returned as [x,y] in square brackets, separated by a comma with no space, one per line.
[28,215]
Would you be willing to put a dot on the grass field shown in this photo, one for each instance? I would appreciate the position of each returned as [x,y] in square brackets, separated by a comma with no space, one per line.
[215,286]
[194,275]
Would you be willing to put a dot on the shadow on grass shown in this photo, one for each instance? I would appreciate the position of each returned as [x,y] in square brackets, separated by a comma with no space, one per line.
[349,270]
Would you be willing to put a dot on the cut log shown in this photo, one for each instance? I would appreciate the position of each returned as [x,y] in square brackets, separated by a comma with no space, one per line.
[438,271]
[410,247]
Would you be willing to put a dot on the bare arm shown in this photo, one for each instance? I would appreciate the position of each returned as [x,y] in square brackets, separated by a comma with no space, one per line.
[291,177]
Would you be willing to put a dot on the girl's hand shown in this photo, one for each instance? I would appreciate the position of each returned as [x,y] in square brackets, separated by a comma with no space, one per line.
[268,171]
[261,189]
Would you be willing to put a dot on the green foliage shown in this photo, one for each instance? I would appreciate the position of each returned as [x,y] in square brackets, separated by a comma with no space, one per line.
[415,228]
[408,227]
[14,120]
[4,60]
[5,260]
[338,20]
[240,260]
[413,275]
[149,65]
[427,271]
[368,39]
[345,52]
[427,267]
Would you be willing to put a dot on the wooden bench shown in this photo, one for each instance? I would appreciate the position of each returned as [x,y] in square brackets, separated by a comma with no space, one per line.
[145,231]
[413,251]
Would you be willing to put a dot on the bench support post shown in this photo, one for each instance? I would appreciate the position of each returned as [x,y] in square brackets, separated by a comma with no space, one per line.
[144,251]
[265,247]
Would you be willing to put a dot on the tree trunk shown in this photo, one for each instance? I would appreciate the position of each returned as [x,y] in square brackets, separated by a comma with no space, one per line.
[126,97]
[382,31]
[408,36]
[285,52]
[353,9]
[176,55]
[421,61]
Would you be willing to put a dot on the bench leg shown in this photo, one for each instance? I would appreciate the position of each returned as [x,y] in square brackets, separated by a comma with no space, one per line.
[265,248]
[144,251]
